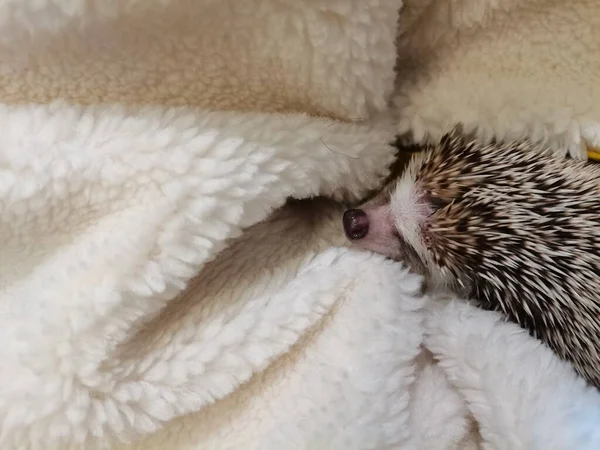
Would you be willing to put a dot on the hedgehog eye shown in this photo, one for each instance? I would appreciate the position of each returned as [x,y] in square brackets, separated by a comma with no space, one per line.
[437,203]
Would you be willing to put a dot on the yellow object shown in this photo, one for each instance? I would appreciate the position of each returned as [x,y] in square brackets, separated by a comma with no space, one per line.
[594,154]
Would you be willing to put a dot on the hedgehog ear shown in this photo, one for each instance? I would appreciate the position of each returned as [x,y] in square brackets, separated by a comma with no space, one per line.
[405,144]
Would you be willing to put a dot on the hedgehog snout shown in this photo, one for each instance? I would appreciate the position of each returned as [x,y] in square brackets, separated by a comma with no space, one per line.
[356,224]
[372,228]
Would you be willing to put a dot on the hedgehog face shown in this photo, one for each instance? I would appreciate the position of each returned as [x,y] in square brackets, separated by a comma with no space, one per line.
[392,225]
[395,225]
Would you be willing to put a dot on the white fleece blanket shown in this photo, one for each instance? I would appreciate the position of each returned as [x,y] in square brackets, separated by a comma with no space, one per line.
[155,292]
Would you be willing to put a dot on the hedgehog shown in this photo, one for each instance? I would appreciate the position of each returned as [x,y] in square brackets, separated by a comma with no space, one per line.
[510,226]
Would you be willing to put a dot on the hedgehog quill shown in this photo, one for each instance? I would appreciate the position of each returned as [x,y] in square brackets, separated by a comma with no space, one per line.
[507,225]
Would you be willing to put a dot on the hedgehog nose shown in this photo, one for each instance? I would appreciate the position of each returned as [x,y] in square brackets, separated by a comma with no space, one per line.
[356,224]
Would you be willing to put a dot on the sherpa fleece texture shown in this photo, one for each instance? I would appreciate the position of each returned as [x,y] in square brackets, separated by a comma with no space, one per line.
[155,292]
[505,68]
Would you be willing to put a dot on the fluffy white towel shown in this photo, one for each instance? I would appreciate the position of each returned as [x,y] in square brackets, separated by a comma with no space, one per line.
[155,294]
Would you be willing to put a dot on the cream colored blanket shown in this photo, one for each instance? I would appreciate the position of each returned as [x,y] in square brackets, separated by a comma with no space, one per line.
[158,292]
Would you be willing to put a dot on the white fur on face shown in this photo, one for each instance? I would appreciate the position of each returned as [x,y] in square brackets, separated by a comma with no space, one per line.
[397,225]
[410,211]
[396,221]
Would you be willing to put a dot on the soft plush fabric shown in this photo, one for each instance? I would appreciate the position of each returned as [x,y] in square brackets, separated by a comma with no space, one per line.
[310,56]
[159,290]
[507,68]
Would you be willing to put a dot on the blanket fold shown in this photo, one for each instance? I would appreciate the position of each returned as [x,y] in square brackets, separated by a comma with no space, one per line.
[73,227]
